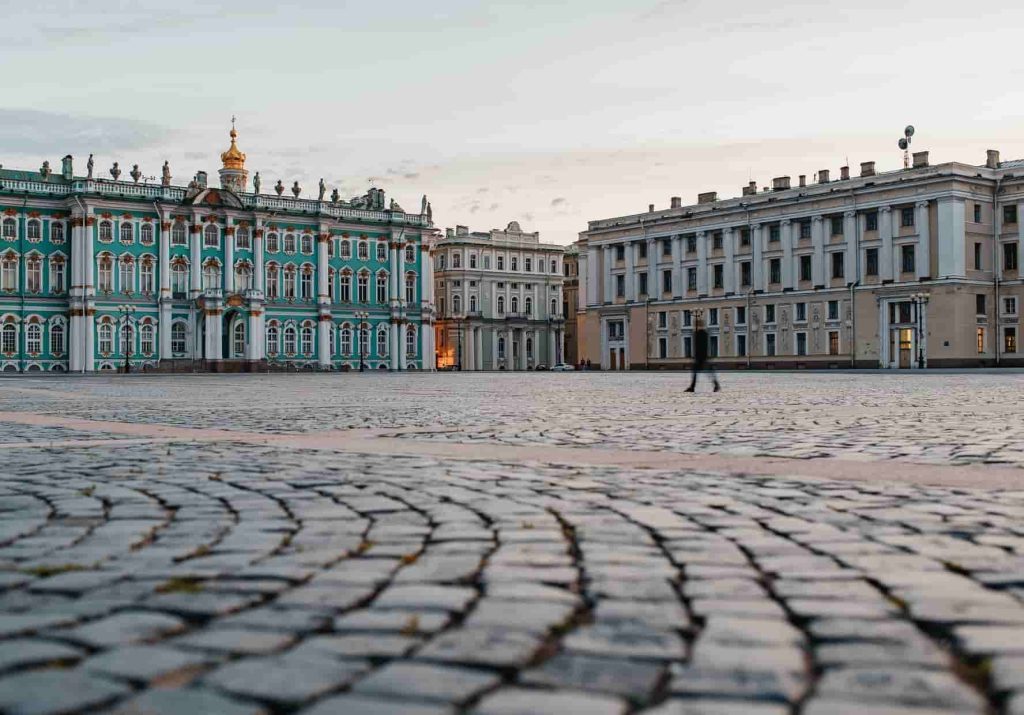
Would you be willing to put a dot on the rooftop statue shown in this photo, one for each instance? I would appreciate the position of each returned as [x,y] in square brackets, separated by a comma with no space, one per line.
[135,173]
[296,189]
[323,189]
[115,171]
[88,166]
[256,183]
[279,187]
[335,196]
[45,171]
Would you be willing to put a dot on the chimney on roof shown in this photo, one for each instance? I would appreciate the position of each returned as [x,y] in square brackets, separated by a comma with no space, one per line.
[449,233]
[823,176]
[708,197]
[867,168]
[676,202]
[992,158]
[803,180]
[780,183]
[650,208]
[920,159]
[844,172]
[750,189]
[462,230]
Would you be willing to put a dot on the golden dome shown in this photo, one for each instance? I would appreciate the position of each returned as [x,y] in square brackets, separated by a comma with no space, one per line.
[233,158]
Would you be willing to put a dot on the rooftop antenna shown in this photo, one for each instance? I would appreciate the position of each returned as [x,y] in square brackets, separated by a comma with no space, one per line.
[904,144]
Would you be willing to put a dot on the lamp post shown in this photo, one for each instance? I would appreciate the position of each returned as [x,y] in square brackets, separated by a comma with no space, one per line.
[459,318]
[361,316]
[126,312]
[920,300]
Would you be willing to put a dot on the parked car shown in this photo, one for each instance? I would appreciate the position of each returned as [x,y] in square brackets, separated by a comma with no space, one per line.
[563,367]
[541,367]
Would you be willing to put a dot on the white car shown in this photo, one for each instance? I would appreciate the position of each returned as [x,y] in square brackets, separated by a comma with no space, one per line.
[563,367]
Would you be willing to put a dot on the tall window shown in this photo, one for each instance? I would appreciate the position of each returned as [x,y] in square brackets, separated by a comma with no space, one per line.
[307,340]
[472,260]
[456,304]
[833,342]
[346,287]
[57,339]
[472,304]
[307,283]
[34,234]
[515,304]
[272,277]
[906,217]
[127,232]
[363,251]
[179,279]
[106,338]
[382,251]
[127,339]
[529,306]
[410,254]
[146,276]
[871,262]
[178,235]
[10,338]
[981,340]
[289,243]
[273,245]
[178,338]
[1009,340]
[871,221]
[210,236]
[838,259]
[528,263]
[33,274]
[10,230]
[272,340]
[289,340]
[410,288]
[554,307]
[238,339]
[364,288]
[211,276]
[515,263]
[56,232]
[146,342]
[382,343]
[243,276]
[907,258]
[126,279]
[500,263]
[307,244]
[1010,256]
[33,338]
[106,273]
[106,232]
[346,340]
[382,288]
[289,284]
[410,341]
[456,260]
[146,234]
[805,268]
[243,242]
[501,305]
[346,250]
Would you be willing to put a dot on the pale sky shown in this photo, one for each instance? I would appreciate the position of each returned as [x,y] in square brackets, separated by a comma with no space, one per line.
[547,113]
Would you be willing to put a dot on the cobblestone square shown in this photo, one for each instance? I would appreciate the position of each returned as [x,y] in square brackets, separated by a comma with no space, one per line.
[800,543]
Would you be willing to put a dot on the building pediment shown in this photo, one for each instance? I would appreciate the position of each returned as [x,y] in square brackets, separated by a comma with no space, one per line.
[215,197]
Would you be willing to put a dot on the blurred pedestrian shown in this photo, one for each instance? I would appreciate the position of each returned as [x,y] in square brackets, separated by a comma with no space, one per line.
[700,356]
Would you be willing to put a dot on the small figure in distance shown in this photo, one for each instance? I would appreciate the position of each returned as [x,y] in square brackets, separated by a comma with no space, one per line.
[588,364]
[700,356]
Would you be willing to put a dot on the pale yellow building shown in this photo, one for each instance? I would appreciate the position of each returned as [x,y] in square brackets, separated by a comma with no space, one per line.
[903,269]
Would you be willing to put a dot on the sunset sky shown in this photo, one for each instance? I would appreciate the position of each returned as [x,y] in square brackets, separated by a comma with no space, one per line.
[547,113]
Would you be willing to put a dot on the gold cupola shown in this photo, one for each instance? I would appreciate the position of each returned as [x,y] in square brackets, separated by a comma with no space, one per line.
[233,175]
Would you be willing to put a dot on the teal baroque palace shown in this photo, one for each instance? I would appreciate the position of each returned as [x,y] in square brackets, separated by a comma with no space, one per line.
[97,274]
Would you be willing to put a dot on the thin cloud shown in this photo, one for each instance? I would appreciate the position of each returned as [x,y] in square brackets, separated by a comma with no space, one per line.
[559,201]
[29,131]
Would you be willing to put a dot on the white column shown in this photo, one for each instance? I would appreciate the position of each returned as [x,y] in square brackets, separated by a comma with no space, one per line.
[509,352]
[850,227]
[757,238]
[164,269]
[677,267]
[195,231]
[523,361]
[324,324]
[702,263]
[468,345]
[228,279]
[653,287]
[591,276]
[478,349]
[818,272]
[787,234]
[551,347]
[606,276]
[729,242]
[259,276]
[885,257]
[253,350]
[630,277]
[950,239]
[924,242]
[604,361]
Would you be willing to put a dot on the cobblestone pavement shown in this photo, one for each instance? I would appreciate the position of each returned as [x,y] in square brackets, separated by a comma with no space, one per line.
[165,575]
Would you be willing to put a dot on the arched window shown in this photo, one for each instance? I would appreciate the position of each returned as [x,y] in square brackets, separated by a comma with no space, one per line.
[242,240]
[364,251]
[306,283]
[501,347]
[126,278]
[106,232]
[127,340]
[272,276]
[106,338]
[272,340]
[364,287]
[238,339]
[515,304]
[472,304]
[243,276]
[9,339]
[289,243]
[57,339]
[146,276]
[106,273]
[346,250]
[127,232]
[57,274]
[289,340]
[382,288]
[178,235]
[146,234]
[272,243]
[345,295]
[529,306]
[346,340]
[364,340]
[33,338]
[211,276]
[178,335]
[554,266]
[211,236]
[10,228]
[382,343]
[307,340]
[56,232]
[554,307]
[289,282]
[307,244]
[410,288]
[501,305]
[34,274]
[410,254]
[179,279]
[146,341]
[34,232]
[382,251]
[529,347]
[456,304]
[410,341]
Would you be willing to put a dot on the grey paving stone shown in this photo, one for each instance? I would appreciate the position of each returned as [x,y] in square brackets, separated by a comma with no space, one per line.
[1008,672]
[632,679]
[123,629]
[190,701]
[531,616]
[738,631]
[702,706]
[142,663]
[482,646]
[991,640]
[427,682]
[627,642]
[24,652]
[55,691]
[425,597]
[923,688]
[285,680]
[522,701]
[351,704]
[236,641]
[376,645]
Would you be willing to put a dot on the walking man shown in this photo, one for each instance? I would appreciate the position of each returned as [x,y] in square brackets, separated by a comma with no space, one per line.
[700,356]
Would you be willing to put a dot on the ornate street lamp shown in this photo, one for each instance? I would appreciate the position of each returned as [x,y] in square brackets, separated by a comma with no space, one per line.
[458,318]
[920,300]
[126,312]
[361,316]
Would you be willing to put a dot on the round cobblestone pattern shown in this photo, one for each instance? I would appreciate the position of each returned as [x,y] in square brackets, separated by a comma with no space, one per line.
[231,577]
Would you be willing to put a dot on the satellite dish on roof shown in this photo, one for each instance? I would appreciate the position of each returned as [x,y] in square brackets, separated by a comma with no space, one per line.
[903,144]
[909,131]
